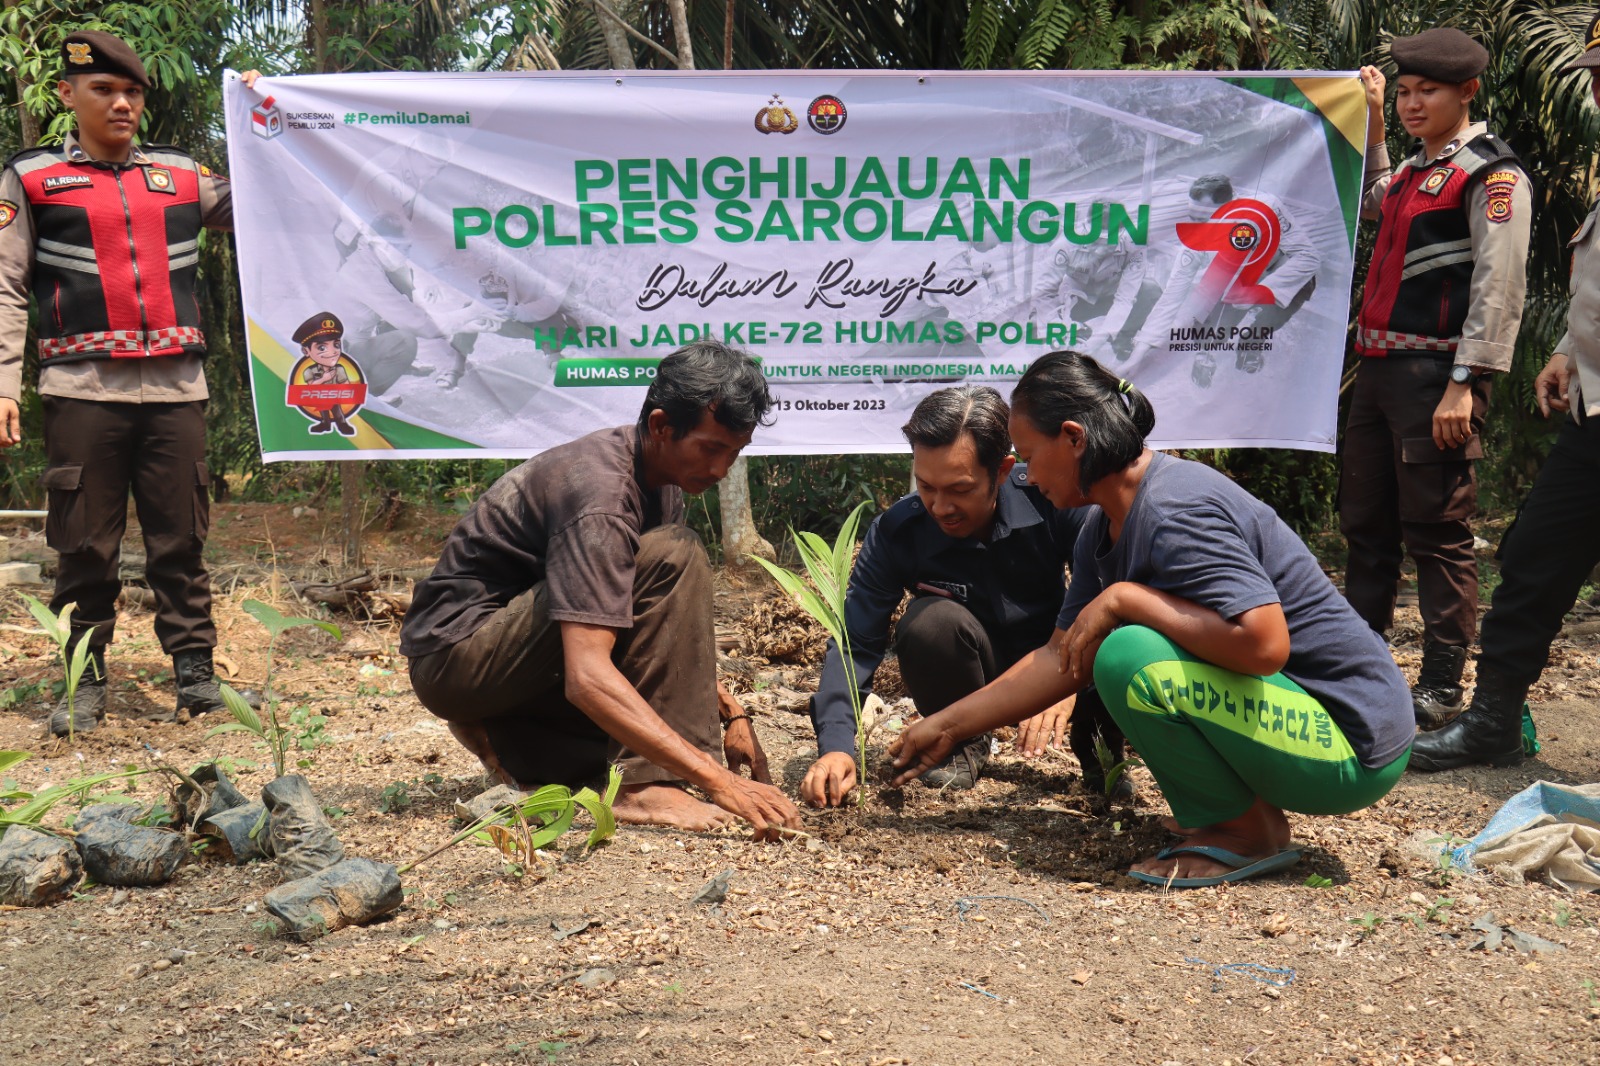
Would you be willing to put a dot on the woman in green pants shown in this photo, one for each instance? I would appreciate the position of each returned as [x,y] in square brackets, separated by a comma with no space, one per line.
[1240,675]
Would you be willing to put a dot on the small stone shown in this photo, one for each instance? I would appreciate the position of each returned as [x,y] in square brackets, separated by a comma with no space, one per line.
[824,1036]
[249,908]
[161,964]
[20,574]
[486,803]
[134,970]
[1367,1008]
[1275,925]
[441,923]
[176,956]
[599,977]
[119,897]
[1082,977]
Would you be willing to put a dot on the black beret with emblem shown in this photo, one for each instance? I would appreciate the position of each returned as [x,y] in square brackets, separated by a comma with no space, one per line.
[1440,54]
[94,52]
[321,324]
[1591,47]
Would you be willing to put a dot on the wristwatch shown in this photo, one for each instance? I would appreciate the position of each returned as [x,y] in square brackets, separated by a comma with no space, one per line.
[1462,375]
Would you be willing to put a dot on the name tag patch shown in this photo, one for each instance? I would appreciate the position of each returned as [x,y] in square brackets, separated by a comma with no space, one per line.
[64,182]
[159,180]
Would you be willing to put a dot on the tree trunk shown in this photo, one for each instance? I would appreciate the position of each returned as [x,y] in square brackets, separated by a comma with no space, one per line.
[29,122]
[739,537]
[351,475]
[616,40]
[680,31]
[352,472]
[317,27]
[727,37]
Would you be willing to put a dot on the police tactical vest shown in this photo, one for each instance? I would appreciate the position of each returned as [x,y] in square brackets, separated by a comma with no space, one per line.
[115,254]
[1420,281]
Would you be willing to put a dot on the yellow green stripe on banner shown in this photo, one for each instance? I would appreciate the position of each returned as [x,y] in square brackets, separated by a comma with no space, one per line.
[1288,719]
[277,360]
[1331,99]
[1343,103]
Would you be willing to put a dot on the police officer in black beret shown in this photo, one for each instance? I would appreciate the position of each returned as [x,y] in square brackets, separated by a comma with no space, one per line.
[102,232]
[1439,319]
[1549,554]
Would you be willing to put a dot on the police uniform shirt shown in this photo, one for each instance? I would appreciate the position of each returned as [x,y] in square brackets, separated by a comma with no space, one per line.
[1581,344]
[1012,582]
[1499,254]
[166,379]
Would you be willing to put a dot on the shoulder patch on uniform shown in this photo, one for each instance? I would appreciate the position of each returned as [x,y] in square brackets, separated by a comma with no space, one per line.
[8,213]
[207,172]
[1500,185]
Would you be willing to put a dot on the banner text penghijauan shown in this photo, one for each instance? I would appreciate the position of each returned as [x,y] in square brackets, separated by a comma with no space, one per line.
[801,199]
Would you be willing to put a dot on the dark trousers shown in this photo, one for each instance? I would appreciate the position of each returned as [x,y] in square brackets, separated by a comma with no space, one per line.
[97,453]
[946,654]
[509,674]
[1400,492]
[1548,556]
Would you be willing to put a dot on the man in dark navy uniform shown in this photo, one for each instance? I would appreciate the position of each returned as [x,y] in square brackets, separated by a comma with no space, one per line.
[982,555]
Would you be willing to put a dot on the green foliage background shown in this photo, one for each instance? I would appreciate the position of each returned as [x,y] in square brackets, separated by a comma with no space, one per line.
[1543,113]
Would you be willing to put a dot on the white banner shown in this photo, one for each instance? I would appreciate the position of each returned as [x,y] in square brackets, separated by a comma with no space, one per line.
[436,264]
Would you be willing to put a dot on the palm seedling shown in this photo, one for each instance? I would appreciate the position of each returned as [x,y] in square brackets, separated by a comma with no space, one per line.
[247,719]
[828,567]
[74,656]
[519,829]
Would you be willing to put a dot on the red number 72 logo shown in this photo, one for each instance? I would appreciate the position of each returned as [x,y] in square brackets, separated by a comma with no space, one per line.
[1244,233]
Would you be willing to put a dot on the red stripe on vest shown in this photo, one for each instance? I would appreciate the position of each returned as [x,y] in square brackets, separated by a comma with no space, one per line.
[127,223]
[1405,207]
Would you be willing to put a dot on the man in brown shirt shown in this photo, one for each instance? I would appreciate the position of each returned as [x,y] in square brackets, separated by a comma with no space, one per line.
[102,232]
[568,622]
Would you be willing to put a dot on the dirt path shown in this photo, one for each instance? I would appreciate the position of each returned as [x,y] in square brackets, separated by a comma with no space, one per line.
[864,946]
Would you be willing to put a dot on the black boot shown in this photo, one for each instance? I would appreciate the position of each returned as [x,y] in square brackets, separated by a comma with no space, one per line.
[1437,697]
[1489,731]
[198,692]
[88,707]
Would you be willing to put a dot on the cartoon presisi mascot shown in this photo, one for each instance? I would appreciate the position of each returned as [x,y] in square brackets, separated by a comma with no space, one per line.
[326,384]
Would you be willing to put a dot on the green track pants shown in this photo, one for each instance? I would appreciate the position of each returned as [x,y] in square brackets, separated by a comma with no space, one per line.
[1216,740]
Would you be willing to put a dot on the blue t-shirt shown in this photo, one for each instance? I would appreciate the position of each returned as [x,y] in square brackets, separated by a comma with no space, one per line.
[1195,534]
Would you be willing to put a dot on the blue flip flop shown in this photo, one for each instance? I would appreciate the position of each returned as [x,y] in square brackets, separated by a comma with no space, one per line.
[1243,868]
